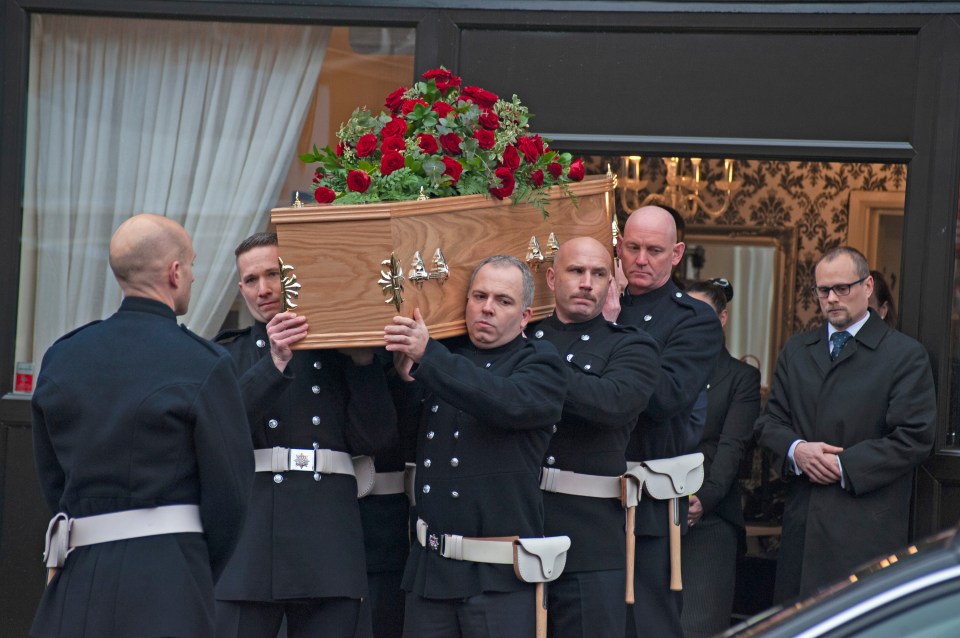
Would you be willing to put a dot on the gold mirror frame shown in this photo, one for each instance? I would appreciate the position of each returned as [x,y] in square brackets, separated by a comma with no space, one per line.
[784,241]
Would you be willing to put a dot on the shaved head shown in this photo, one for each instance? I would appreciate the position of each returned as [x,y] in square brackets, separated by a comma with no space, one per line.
[649,249]
[152,256]
[579,278]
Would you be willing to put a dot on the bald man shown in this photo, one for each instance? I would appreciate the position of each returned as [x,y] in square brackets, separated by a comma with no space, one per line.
[143,454]
[611,371]
[690,339]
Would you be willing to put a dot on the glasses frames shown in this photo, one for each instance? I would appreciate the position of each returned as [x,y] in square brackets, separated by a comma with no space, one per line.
[842,290]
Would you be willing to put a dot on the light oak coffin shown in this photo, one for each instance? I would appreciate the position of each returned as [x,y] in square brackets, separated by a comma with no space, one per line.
[337,254]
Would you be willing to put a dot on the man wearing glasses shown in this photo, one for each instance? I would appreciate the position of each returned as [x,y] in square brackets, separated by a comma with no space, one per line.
[850,415]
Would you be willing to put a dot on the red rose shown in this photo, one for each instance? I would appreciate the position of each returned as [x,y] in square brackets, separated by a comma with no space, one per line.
[390,162]
[453,168]
[395,143]
[481,97]
[358,181]
[339,150]
[450,143]
[409,105]
[536,178]
[427,143]
[485,139]
[366,145]
[395,100]
[489,120]
[576,170]
[511,158]
[394,128]
[507,182]
[324,195]
[555,169]
[531,147]
[318,175]
[443,78]
[442,108]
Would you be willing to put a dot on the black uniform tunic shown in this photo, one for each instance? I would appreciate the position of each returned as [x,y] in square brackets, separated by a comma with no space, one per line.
[487,420]
[135,412]
[303,537]
[612,371]
[690,338]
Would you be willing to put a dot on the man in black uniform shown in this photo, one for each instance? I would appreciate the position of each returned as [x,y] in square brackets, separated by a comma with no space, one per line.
[139,432]
[489,406]
[690,339]
[301,551]
[612,371]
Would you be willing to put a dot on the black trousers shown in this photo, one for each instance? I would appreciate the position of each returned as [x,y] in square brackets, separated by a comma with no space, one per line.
[327,617]
[381,614]
[486,615]
[656,612]
[709,576]
[587,604]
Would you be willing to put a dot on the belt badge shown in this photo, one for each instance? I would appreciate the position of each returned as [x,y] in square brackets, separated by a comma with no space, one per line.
[434,542]
[301,460]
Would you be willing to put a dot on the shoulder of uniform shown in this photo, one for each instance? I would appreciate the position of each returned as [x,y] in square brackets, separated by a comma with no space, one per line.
[208,345]
[228,336]
[681,298]
[542,346]
[76,330]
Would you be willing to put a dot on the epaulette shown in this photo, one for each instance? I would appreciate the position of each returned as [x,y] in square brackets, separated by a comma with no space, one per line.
[209,345]
[76,330]
[232,335]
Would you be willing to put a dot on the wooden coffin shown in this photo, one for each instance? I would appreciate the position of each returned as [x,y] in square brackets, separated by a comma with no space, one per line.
[341,255]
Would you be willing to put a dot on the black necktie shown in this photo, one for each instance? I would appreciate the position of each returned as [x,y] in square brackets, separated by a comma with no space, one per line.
[837,341]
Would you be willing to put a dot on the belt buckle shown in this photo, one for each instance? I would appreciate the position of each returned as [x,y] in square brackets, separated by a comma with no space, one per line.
[302,460]
[435,542]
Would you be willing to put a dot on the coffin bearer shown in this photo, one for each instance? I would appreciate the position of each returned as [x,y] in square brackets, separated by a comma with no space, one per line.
[850,415]
[141,441]
[489,405]
[611,371]
[690,339]
[301,552]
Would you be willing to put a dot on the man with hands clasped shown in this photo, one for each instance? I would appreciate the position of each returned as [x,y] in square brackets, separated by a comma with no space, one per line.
[850,415]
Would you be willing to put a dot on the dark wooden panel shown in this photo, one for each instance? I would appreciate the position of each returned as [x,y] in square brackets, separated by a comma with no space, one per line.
[819,86]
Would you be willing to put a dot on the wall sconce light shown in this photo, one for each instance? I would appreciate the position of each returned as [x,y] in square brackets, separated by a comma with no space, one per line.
[682,190]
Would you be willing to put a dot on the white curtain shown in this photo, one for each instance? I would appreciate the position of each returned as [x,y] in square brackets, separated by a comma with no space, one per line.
[194,121]
[748,331]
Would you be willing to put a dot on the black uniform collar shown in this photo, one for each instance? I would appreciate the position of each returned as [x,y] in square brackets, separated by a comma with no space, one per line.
[143,304]
[654,296]
[510,346]
[584,326]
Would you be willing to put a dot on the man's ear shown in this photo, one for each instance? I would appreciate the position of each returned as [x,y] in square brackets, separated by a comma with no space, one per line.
[678,249]
[527,315]
[174,274]
[551,278]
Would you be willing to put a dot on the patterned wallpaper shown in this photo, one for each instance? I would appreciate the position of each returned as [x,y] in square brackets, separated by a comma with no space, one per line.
[811,196]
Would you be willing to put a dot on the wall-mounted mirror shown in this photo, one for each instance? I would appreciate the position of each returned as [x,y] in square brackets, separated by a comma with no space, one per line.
[761,264]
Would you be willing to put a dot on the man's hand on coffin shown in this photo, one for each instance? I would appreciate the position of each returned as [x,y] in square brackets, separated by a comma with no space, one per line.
[284,330]
[408,337]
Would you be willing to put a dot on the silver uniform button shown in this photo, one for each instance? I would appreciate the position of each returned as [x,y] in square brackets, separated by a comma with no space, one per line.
[538,334]
[272,423]
[315,389]
[554,428]
[584,337]
[426,489]
[427,462]
[570,357]
[278,478]
[434,408]
[316,446]
[431,434]
[488,365]
[586,367]
[315,420]
[317,365]
[316,476]
[455,494]
[454,462]
[261,343]
[456,434]
[551,460]
[647,317]
[678,294]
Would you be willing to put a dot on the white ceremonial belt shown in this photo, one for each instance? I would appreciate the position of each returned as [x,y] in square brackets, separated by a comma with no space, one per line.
[477,550]
[283,459]
[387,483]
[565,482]
[410,482]
[65,533]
